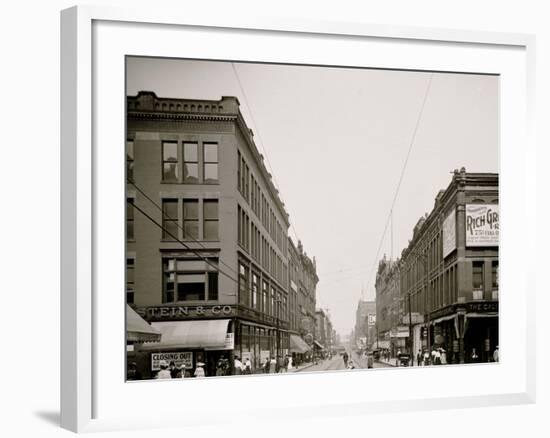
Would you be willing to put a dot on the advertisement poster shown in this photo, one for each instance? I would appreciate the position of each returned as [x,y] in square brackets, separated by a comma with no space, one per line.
[482,224]
[449,233]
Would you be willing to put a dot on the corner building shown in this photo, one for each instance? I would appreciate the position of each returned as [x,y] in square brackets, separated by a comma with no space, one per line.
[449,271]
[212,274]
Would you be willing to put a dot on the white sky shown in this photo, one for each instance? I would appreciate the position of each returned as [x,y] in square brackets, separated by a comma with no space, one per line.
[336,140]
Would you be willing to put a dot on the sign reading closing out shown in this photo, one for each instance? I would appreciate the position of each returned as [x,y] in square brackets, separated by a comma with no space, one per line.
[482,224]
[179,358]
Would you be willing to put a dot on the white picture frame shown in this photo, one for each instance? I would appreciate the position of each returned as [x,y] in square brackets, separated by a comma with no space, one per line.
[94,396]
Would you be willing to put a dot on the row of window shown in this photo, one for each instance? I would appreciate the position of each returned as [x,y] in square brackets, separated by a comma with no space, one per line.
[251,239]
[181,219]
[250,189]
[184,279]
[259,294]
[199,161]
[443,290]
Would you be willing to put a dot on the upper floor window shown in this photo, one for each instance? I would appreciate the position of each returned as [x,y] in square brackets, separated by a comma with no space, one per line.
[170,161]
[191,218]
[130,280]
[130,160]
[210,163]
[190,162]
[170,219]
[187,279]
[129,219]
[477,275]
[210,214]
[495,274]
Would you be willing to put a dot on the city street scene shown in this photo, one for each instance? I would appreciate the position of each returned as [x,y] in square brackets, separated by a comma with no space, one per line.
[287,219]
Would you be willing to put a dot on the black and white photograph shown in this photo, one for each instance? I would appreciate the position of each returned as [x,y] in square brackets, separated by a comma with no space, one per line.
[303,218]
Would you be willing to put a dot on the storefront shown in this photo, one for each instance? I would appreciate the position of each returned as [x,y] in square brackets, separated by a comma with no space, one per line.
[258,342]
[138,333]
[299,349]
[190,342]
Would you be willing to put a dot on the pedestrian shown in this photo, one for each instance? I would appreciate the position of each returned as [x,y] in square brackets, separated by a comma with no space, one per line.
[222,366]
[426,360]
[419,358]
[173,369]
[351,366]
[266,365]
[284,368]
[133,372]
[199,370]
[247,366]
[289,365]
[345,357]
[443,354]
[437,358]
[238,366]
[495,354]
[474,357]
[272,366]
[164,373]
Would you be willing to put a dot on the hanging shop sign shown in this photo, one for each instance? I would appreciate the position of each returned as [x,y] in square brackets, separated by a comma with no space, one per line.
[180,358]
[449,233]
[163,313]
[229,341]
[482,225]
[372,319]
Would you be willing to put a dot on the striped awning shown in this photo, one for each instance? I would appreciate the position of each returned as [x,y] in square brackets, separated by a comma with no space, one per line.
[139,330]
[298,345]
[208,334]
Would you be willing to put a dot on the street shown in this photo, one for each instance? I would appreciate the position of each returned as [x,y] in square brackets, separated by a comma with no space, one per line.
[337,363]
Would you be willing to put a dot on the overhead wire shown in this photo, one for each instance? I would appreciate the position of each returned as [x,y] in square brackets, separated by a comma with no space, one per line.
[413,138]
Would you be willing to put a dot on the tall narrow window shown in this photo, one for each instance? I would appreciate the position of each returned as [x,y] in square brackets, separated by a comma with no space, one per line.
[170,161]
[212,285]
[169,219]
[210,163]
[243,285]
[190,219]
[130,160]
[255,300]
[130,281]
[264,307]
[190,163]
[210,207]
[494,268]
[129,219]
[477,276]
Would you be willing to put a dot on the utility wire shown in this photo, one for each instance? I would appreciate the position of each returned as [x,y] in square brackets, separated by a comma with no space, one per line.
[260,138]
[205,259]
[175,220]
[413,138]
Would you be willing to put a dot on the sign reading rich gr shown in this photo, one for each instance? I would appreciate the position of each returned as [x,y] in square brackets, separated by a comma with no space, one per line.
[482,224]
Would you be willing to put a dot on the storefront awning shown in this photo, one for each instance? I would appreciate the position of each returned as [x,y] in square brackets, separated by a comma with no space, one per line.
[319,345]
[208,334]
[139,330]
[298,345]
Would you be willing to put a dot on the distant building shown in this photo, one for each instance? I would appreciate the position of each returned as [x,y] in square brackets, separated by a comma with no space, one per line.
[390,332]
[365,324]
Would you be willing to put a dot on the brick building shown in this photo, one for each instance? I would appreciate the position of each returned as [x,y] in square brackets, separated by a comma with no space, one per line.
[449,271]
[207,243]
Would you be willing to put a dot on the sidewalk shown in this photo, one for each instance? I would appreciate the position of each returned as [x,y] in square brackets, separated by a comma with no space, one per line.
[392,362]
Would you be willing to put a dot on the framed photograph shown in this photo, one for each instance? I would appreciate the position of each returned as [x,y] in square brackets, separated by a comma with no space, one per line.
[307,210]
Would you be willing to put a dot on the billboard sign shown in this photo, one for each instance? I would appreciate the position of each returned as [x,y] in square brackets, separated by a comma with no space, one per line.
[449,233]
[482,225]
